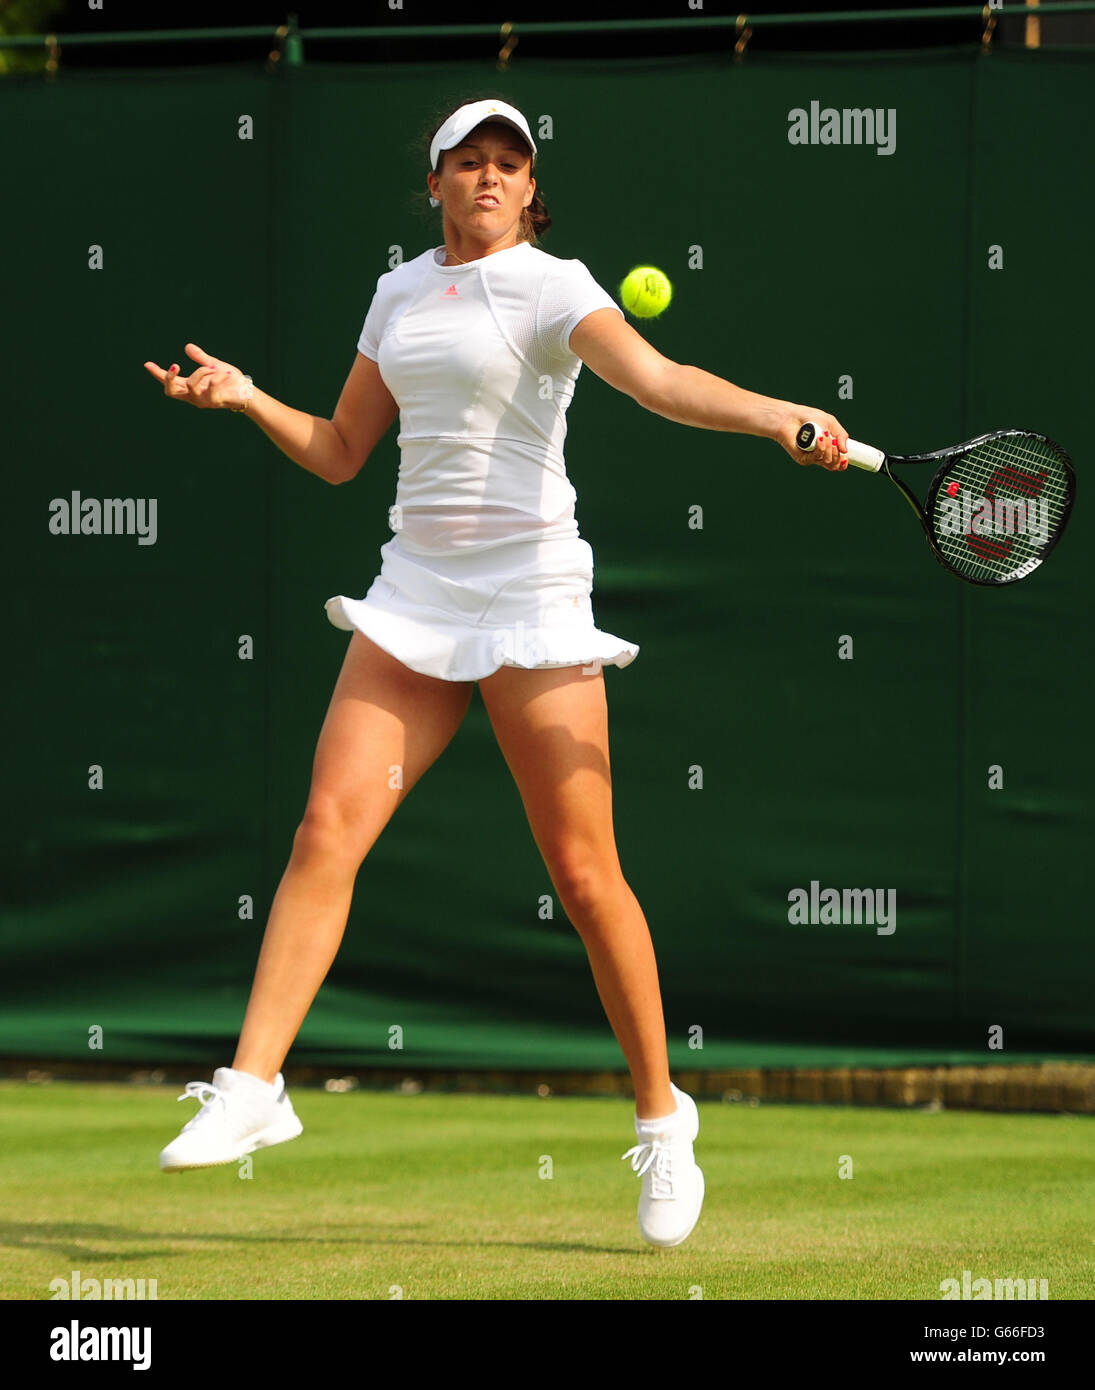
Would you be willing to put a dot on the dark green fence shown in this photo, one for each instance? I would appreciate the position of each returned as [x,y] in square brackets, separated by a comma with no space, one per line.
[795,267]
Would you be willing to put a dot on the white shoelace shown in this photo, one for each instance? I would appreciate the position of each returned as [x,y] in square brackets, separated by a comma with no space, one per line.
[657,1155]
[204,1091]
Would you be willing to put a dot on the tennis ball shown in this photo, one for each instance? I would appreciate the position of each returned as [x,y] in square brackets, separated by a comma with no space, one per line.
[645,292]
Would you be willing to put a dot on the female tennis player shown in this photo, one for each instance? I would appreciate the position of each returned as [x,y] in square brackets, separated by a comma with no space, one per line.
[485,580]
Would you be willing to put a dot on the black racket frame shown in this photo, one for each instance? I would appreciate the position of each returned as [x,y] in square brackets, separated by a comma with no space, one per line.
[948,457]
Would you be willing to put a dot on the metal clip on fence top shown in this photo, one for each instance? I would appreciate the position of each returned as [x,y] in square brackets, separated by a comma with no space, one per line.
[509,43]
[290,49]
[744,35]
[273,58]
[989,16]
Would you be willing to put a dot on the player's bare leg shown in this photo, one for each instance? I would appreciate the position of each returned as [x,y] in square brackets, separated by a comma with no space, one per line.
[552,728]
[382,714]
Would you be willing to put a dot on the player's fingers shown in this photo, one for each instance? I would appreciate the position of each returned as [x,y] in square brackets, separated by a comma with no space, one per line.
[200,355]
[200,381]
[833,451]
[840,436]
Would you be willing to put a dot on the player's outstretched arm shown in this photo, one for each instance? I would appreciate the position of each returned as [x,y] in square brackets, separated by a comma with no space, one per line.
[615,352]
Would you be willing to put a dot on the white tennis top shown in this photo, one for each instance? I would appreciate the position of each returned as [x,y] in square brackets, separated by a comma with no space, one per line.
[478,359]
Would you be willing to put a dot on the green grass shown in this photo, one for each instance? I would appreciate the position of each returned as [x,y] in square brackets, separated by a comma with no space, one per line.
[441,1195]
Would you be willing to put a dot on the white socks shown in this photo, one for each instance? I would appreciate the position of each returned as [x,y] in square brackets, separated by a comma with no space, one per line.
[644,1127]
[246,1079]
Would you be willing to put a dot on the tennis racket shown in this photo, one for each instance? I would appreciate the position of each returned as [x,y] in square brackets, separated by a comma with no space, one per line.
[996,506]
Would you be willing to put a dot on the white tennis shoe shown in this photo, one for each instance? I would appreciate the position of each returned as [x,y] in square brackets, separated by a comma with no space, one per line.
[672,1191]
[239,1113]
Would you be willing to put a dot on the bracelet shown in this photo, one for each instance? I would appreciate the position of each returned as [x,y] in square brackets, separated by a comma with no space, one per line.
[246,392]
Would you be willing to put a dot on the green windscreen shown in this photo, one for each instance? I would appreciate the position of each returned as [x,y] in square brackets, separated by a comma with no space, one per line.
[820,718]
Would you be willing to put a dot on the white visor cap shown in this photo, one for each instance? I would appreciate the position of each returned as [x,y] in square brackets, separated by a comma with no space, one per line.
[464,120]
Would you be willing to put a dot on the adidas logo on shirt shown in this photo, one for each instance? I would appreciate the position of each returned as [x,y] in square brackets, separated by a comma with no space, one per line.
[451,293]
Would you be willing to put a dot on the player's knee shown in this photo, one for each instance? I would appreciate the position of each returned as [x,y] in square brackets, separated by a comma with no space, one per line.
[329,832]
[583,880]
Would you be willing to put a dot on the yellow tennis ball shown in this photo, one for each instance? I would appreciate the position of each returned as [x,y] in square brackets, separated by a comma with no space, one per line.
[645,292]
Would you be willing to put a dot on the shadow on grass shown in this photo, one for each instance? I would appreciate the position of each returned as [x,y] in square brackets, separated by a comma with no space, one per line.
[75,1240]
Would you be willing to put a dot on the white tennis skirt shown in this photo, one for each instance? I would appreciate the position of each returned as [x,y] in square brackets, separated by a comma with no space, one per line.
[461,616]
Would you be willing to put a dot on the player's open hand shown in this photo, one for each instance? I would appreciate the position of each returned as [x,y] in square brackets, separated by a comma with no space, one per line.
[214,385]
[831,449]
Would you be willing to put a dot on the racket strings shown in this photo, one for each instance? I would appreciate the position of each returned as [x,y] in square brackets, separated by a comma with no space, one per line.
[1027,486]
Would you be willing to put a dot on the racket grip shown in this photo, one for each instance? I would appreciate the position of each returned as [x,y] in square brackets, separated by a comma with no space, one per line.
[861,455]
